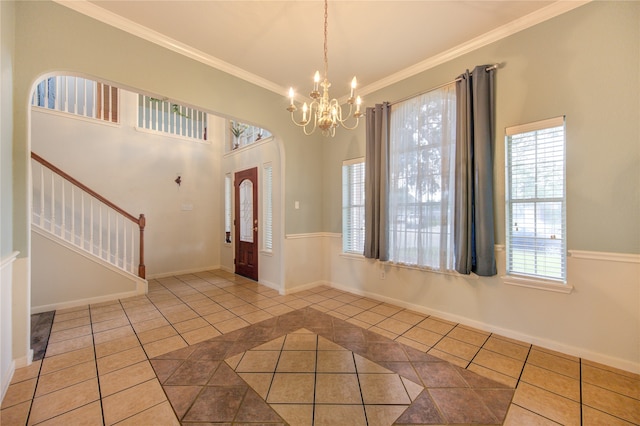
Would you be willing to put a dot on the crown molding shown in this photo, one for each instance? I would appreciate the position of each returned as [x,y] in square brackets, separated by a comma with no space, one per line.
[551,11]
[89,9]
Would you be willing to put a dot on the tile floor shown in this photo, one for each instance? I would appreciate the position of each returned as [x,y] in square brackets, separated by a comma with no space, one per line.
[126,361]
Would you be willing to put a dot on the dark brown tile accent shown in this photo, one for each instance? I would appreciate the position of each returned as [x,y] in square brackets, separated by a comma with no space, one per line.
[181,397]
[462,406]
[255,409]
[193,373]
[439,375]
[216,404]
[164,368]
[423,411]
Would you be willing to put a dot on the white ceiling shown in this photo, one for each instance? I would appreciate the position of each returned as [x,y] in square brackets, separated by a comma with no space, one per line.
[278,44]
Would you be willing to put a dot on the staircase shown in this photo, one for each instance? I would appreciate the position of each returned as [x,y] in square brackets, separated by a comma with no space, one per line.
[90,228]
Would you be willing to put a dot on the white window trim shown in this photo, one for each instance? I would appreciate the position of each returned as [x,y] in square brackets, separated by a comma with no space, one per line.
[537,283]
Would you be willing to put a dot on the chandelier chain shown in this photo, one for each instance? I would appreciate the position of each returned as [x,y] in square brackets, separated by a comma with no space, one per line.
[326,50]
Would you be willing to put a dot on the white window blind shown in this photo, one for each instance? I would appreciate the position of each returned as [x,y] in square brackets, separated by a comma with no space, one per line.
[535,199]
[353,206]
[421,189]
[267,222]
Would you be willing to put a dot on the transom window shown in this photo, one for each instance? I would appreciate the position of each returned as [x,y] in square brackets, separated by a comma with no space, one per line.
[161,115]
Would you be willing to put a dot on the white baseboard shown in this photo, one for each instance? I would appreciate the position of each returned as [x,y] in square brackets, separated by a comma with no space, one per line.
[304,287]
[183,272]
[537,341]
[6,379]
[88,301]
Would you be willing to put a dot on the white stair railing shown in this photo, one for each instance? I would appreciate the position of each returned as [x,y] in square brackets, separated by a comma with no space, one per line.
[70,210]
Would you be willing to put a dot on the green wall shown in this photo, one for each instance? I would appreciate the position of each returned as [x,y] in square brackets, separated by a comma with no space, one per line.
[51,38]
[584,64]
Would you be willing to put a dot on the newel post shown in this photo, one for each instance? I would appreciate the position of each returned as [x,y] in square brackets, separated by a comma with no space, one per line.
[142,221]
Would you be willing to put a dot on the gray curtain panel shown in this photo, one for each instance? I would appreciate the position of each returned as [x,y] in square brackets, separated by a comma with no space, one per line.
[473,218]
[375,182]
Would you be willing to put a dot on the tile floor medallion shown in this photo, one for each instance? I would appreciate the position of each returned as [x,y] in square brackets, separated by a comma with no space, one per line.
[309,368]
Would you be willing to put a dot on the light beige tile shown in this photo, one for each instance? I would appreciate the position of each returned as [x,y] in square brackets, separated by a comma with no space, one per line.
[230,325]
[625,373]
[358,323]
[297,362]
[349,311]
[329,415]
[365,303]
[613,381]
[108,316]
[386,389]
[109,325]
[200,335]
[64,325]
[383,414]
[422,335]
[115,346]
[132,401]
[413,344]
[518,416]
[593,417]
[69,333]
[383,332]
[19,392]
[556,363]
[259,382]
[58,362]
[335,361]
[292,388]
[385,309]
[258,362]
[500,363]
[160,347]
[90,414]
[337,388]
[75,314]
[157,334]
[457,348]
[16,414]
[436,325]
[467,335]
[364,365]
[394,326]
[409,317]
[57,380]
[547,404]
[551,381]
[300,342]
[278,309]
[257,316]
[220,316]
[151,324]
[494,375]
[119,360]
[26,373]
[462,363]
[338,315]
[295,414]
[113,334]
[370,317]
[188,325]
[69,345]
[556,353]
[64,400]
[161,414]
[272,345]
[505,347]
[612,403]
[125,378]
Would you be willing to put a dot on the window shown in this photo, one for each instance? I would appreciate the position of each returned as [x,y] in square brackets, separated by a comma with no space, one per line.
[535,200]
[160,115]
[267,210]
[228,182]
[243,134]
[353,206]
[421,187]
[78,96]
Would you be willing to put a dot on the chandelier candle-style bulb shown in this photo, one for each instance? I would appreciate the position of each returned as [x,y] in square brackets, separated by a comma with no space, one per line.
[325,112]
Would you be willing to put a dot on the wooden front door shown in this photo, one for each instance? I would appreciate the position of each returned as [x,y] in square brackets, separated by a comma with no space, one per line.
[246,221]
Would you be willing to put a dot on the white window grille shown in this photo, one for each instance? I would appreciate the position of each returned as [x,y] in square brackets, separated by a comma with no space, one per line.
[78,96]
[243,134]
[536,199]
[421,195]
[267,194]
[161,115]
[353,206]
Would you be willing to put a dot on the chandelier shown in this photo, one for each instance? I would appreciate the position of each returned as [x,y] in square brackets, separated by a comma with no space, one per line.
[323,113]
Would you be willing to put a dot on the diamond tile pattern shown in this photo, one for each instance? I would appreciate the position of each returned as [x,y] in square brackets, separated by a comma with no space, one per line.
[293,369]
[171,356]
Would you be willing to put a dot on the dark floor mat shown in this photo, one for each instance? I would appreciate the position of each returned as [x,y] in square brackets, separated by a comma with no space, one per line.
[40,331]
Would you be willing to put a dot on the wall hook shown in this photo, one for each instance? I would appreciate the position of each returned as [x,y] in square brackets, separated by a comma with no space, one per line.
[178,180]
